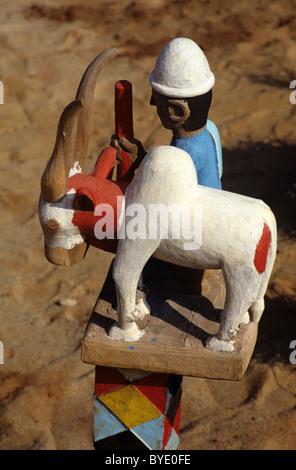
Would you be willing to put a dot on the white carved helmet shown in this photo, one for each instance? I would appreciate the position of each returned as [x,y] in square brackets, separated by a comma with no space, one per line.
[182,70]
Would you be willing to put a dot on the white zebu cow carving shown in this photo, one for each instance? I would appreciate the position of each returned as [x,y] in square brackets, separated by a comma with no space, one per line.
[238,236]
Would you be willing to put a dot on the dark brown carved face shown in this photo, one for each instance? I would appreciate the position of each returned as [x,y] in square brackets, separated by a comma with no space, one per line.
[164,109]
[172,112]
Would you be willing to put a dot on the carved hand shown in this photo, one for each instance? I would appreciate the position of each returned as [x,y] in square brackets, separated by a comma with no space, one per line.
[133,147]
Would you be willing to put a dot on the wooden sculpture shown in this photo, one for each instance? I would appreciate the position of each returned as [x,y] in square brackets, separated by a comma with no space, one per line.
[233,232]
[228,231]
[132,409]
[69,197]
[181,84]
[154,207]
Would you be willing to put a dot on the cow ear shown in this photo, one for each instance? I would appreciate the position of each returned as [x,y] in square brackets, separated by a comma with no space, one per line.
[178,110]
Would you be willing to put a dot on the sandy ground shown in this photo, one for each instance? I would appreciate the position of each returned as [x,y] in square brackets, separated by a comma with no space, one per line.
[46,391]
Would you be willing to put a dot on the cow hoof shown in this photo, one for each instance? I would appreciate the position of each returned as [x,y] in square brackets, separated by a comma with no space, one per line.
[142,309]
[132,333]
[246,319]
[216,344]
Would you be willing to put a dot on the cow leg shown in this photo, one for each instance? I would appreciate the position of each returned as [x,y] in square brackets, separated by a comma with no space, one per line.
[142,307]
[130,260]
[258,306]
[240,295]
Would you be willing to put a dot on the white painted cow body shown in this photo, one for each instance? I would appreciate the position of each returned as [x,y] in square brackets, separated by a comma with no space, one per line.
[238,235]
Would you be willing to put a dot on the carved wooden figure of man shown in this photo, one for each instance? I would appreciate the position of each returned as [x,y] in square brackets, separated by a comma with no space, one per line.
[182,91]
[238,236]
[182,85]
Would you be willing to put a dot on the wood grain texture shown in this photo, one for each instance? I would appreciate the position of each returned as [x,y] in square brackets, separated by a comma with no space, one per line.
[65,257]
[173,342]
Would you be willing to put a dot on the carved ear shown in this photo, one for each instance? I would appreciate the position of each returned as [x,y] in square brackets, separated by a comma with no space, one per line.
[178,110]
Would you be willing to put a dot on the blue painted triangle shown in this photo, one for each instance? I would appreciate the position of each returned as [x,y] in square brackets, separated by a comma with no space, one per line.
[105,422]
[151,432]
[173,442]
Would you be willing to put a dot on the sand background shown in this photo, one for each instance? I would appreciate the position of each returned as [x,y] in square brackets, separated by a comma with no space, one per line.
[46,392]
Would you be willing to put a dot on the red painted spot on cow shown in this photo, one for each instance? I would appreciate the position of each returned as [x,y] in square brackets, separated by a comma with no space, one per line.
[262,250]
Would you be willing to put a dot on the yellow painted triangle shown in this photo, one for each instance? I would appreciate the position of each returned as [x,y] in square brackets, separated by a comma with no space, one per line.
[130,406]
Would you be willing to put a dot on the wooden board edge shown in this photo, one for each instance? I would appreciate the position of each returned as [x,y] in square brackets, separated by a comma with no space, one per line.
[166,359]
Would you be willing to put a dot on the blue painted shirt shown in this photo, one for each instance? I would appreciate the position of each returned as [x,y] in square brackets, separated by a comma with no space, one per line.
[202,150]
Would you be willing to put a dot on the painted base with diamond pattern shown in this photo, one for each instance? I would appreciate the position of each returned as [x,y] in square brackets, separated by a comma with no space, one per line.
[134,410]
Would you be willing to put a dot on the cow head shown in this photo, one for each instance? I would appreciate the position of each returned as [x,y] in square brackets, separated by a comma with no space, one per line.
[69,197]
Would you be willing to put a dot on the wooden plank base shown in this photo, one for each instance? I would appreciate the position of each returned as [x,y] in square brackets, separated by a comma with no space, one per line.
[173,342]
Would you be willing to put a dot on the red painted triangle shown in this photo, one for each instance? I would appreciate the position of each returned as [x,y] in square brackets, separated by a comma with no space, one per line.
[155,389]
[108,379]
[176,424]
[167,429]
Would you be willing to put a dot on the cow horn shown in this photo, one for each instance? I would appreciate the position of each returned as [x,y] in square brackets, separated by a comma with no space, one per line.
[55,176]
[73,132]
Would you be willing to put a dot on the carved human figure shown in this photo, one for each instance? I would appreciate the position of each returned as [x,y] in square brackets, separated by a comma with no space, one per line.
[182,92]
[182,85]
[238,233]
